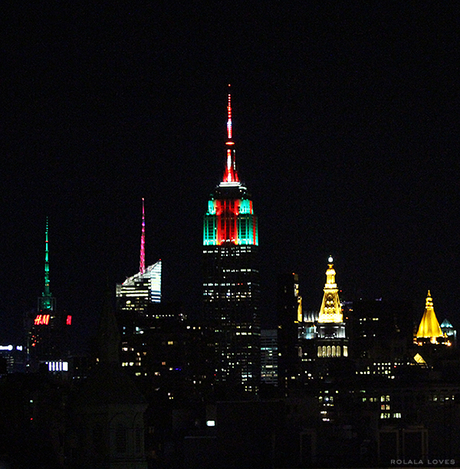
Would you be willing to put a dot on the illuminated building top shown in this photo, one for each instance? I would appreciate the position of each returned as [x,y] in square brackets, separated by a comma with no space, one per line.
[143,288]
[147,285]
[230,216]
[429,325]
[331,310]
[46,301]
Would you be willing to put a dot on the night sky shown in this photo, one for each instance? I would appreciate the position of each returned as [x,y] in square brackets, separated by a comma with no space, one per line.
[345,117]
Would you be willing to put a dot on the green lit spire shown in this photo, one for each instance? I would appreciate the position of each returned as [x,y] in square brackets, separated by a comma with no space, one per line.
[47,263]
[46,301]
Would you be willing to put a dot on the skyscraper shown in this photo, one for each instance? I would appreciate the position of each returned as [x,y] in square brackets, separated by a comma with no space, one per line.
[332,340]
[136,298]
[139,291]
[46,326]
[231,277]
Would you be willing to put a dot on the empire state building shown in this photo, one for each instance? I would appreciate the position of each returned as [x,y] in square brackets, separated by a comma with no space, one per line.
[231,287]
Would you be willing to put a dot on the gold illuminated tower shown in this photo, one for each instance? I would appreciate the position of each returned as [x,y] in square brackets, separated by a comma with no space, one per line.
[429,326]
[332,341]
[331,310]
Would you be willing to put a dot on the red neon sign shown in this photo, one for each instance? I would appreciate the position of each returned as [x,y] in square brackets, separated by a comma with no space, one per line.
[69,320]
[42,319]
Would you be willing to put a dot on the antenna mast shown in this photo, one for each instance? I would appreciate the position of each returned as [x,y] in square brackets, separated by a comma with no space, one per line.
[46,291]
[46,301]
[142,256]
[230,174]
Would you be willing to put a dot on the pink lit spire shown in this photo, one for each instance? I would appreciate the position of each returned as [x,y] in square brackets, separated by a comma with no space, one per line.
[142,260]
[230,174]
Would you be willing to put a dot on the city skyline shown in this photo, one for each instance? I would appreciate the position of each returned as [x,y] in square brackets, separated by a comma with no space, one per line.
[346,123]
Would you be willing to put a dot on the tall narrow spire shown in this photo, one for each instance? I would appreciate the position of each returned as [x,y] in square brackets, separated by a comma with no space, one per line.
[142,256]
[46,301]
[46,291]
[229,120]
[230,174]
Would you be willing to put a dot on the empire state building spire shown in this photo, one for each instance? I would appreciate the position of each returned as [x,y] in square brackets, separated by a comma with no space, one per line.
[230,174]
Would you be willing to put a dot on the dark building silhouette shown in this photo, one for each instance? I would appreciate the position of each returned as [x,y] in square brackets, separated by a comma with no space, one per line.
[106,426]
[32,421]
[381,336]
[289,312]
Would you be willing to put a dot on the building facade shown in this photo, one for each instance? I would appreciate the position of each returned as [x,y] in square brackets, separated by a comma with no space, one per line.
[231,277]
[269,356]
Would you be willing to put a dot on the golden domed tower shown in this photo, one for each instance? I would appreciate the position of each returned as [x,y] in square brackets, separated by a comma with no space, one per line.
[331,309]
[429,326]
[332,341]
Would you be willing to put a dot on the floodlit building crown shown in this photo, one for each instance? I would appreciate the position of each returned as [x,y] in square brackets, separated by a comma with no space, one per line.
[429,325]
[331,309]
